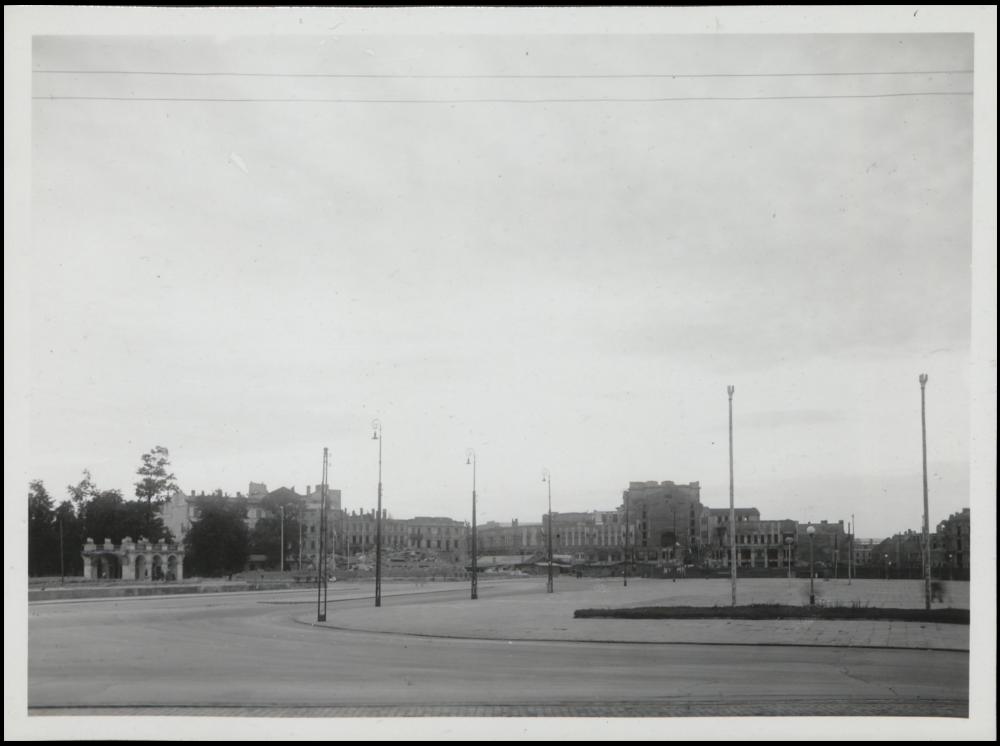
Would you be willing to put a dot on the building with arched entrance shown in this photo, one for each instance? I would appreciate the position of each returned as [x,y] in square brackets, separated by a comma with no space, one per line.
[141,560]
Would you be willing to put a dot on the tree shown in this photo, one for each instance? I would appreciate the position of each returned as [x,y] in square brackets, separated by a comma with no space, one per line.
[156,483]
[105,514]
[68,525]
[81,492]
[218,542]
[43,537]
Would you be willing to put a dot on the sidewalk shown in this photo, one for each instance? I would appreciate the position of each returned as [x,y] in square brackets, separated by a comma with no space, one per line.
[543,616]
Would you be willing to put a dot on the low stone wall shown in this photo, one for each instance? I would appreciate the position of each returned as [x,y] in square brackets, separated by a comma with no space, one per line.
[80,590]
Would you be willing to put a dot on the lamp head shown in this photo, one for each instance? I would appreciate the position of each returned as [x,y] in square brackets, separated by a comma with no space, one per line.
[811,530]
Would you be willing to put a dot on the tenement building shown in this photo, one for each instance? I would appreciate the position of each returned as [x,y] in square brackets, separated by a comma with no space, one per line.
[596,536]
[951,545]
[830,546]
[714,534]
[444,537]
[515,538]
[765,543]
[667,519]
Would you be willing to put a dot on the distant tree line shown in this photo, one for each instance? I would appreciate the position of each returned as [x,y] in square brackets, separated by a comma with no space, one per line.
[57,533]
[217,544]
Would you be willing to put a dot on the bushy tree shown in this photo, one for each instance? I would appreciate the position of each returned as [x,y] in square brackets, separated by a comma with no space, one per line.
[79,495]
[218,542]
[55,535]
[70,533]
[43,538]
[156,482]
[105,514]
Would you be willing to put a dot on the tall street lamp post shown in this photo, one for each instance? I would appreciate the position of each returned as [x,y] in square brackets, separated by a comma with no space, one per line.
[377,435]
[547,477]
[282,565]
[732,509]
[788,552]
[927,545]
[321,589]
[470,459]
[812,589]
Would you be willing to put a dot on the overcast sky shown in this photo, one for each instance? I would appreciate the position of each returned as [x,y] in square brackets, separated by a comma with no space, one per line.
[560,272]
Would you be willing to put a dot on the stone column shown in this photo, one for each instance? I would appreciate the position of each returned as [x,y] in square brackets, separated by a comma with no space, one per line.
[88,566]
[128,571]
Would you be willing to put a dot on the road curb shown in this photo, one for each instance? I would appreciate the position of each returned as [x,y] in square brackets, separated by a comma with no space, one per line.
[439,636]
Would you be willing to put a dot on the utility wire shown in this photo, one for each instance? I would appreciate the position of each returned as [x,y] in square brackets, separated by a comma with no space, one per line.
[496,100]
[494,76]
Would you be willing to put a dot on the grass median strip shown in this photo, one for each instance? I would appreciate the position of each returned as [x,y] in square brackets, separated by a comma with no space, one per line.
[778,611]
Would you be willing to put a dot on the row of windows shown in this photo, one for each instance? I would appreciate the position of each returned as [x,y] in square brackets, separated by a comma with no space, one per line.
[759,539]
[405,529]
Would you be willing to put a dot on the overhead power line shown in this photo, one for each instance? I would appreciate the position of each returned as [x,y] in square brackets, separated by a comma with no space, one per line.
[515,76]
[661,99]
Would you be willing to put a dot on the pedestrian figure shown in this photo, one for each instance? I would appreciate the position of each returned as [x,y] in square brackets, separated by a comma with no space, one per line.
[937,591]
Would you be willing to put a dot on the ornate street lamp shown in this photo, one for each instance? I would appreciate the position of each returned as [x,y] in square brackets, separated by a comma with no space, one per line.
[812,590]
[377,435]
[470,459]
[927,546]
[321,581]
[788,551]
[732,509]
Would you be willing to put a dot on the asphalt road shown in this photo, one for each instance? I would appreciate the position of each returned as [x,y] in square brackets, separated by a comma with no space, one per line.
[234,653]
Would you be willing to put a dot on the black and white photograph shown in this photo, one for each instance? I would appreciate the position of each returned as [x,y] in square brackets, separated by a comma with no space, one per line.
[500,373]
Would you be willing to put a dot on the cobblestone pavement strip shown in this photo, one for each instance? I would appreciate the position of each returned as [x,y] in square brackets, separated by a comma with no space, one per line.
[763,708]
